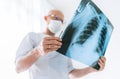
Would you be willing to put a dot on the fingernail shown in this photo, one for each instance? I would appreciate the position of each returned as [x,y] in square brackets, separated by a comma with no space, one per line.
[60,39]
[60,43]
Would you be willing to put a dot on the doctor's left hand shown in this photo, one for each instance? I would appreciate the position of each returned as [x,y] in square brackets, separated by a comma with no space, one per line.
[101,63]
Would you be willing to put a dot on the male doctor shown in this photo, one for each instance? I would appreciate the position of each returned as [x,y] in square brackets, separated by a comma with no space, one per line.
[37,53]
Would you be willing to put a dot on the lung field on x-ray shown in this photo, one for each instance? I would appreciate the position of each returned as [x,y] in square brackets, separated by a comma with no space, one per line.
[88,30]
[101,41]
[87,36]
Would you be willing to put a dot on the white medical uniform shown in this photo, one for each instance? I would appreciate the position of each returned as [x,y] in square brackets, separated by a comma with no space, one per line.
[51,66]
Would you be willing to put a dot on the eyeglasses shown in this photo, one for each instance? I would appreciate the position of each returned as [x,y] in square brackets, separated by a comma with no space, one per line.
[55,17]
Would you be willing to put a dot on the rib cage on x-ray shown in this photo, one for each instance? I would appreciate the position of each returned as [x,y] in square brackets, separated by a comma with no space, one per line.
[88,30]
[87,36]
[101,41]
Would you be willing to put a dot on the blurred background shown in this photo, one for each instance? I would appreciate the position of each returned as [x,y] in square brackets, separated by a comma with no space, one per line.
[19,17]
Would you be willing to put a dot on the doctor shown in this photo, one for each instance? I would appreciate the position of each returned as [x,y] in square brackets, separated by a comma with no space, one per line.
[37,53]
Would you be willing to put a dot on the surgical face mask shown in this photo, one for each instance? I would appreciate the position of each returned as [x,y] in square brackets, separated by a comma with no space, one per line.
[54,26]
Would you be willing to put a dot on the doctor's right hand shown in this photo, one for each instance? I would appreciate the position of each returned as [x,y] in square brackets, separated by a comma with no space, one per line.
[49,44]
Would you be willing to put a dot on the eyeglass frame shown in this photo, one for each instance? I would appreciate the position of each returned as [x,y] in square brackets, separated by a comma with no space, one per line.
[55,17]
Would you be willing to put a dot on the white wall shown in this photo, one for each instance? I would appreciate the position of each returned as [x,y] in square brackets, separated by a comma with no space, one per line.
[18,17]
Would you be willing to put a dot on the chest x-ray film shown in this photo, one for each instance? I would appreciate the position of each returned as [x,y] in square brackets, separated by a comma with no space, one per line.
[87,35]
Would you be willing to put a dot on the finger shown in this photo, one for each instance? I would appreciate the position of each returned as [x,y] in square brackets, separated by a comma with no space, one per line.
[101,66]
[52,42]
[101,62]
[45,47]
[54,46]
[53,38]
[54,49]
[103,59]
[51,50]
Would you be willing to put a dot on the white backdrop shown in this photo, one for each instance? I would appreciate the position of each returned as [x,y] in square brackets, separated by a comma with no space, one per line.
[18,17]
